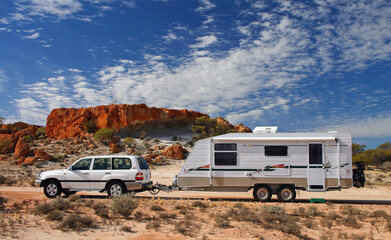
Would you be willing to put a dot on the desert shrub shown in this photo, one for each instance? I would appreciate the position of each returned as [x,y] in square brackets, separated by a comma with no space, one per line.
[167,216]
[200,204]
[56,215]
[273,209]
[89,126]
[97,205]
[156,140]
[333,215]
[156,207]
[60,156]
[244,214]
[153,225]
[3,179]
[309,223]
[61,203]
[2,201]
[76,222]
[351,221]
[221,221]
[379,213]
[38,164]
[115,139]
[27,139]
[129,141]
[41,132]
[284,223]
[7,145]
[174,138]
[102,212]
[43,208]
[185,227]
[7,180]
[350,210]
[312,212]
[388,226]
[138,216]
[327,223]
[74,198]
[127,229]
[123,205]
[386,166]
[104,135]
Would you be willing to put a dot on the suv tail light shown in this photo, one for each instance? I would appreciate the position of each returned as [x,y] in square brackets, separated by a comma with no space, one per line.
[139,176]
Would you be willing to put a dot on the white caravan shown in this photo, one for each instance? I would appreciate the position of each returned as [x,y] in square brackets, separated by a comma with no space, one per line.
[270,163]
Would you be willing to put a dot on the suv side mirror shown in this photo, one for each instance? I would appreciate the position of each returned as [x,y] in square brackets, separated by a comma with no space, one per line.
[70,168]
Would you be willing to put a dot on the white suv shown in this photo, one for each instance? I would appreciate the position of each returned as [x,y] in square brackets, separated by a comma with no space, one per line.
[115,174]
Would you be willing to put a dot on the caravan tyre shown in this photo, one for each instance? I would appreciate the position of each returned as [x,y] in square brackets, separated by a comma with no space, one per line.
[286,194]
[262,193]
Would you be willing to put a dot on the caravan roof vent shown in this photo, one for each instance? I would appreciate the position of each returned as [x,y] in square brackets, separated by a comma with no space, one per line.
[269,129]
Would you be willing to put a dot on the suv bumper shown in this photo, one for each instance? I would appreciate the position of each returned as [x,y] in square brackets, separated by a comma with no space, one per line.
[138,185]
[38,183]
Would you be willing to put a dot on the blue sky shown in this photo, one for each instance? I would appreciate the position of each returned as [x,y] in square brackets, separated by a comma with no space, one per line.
[299,65]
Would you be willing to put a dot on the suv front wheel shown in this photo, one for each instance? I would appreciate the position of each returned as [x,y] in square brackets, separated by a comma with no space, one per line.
[116,188]
[52,189]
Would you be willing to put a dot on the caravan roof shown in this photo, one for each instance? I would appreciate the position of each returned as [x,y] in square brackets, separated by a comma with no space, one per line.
[278,137]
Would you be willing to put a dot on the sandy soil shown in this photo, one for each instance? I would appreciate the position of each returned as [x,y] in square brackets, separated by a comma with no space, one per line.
[365,199]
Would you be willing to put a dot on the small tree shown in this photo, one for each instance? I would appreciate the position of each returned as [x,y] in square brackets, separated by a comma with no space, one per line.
[207,127]
[357,148]
[104,135]
[90,126]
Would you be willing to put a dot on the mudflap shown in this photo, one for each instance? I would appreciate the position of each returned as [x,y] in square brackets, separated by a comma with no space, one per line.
[358,175]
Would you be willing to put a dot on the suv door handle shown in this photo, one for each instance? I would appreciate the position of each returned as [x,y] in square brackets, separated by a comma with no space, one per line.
[86,173]
[107,173]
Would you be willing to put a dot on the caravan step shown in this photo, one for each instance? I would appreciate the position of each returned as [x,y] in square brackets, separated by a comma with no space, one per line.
[317,200]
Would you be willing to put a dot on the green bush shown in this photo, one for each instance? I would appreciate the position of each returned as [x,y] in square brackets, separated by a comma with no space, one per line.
[41,132]
[89,126]
[207,127]
[104,135]
[61,203]
[43,209]
[273,209]
[124,205]
[27,139]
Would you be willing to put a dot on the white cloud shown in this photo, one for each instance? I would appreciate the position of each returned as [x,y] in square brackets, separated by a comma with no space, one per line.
[75,70]
[32,36]
[376,127]
[204,41]
[170,37]
[59,8]
[205,5]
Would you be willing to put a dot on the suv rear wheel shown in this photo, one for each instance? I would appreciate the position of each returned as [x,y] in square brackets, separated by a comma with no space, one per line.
[115,189]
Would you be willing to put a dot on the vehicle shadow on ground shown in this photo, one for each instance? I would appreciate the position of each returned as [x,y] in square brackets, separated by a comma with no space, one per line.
[214,199]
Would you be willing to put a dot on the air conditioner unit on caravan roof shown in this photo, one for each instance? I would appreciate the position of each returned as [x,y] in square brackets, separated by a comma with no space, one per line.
[265,129]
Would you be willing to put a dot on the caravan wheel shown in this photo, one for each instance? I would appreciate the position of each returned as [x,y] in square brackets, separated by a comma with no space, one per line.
[262,193]
[286,194]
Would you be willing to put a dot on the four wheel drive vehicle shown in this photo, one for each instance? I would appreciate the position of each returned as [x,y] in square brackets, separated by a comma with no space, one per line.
[114,174]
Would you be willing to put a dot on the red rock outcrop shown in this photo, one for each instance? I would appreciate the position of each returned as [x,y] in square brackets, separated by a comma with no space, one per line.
[71,122]
[14,132]
[114,148]
[239,127]
[175,152]
[21,149]
[42,155]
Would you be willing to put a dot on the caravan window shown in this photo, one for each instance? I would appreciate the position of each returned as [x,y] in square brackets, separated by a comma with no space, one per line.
[225,146]
[225,158]
[276,150]
[225,154]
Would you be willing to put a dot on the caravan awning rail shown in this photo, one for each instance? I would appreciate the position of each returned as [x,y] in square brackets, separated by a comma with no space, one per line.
[276,139]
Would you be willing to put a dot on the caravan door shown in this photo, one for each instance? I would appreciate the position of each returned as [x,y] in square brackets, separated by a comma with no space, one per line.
[316,171]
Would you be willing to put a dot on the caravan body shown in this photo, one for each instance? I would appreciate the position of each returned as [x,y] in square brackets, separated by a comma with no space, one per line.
[272,162]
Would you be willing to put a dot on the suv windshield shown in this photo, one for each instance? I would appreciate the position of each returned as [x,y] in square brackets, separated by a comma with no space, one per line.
[142,163]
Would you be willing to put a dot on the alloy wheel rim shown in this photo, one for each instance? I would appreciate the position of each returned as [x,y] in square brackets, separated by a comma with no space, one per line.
[52,189]
[262,193]
[115,190]
[286,194]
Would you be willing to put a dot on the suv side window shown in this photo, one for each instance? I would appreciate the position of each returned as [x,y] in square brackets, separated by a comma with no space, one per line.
[122,163]
[101,164]
[83,164]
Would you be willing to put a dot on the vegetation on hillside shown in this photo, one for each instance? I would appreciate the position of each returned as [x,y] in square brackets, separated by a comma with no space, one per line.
[208,127]
[104,135]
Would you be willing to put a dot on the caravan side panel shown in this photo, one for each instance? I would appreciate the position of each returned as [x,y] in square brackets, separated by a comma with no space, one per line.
[195,171]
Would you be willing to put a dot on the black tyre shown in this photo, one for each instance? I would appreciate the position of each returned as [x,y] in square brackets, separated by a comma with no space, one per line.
[116,188]
[286,194]
[262,193]
[68,193]
[52,189]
